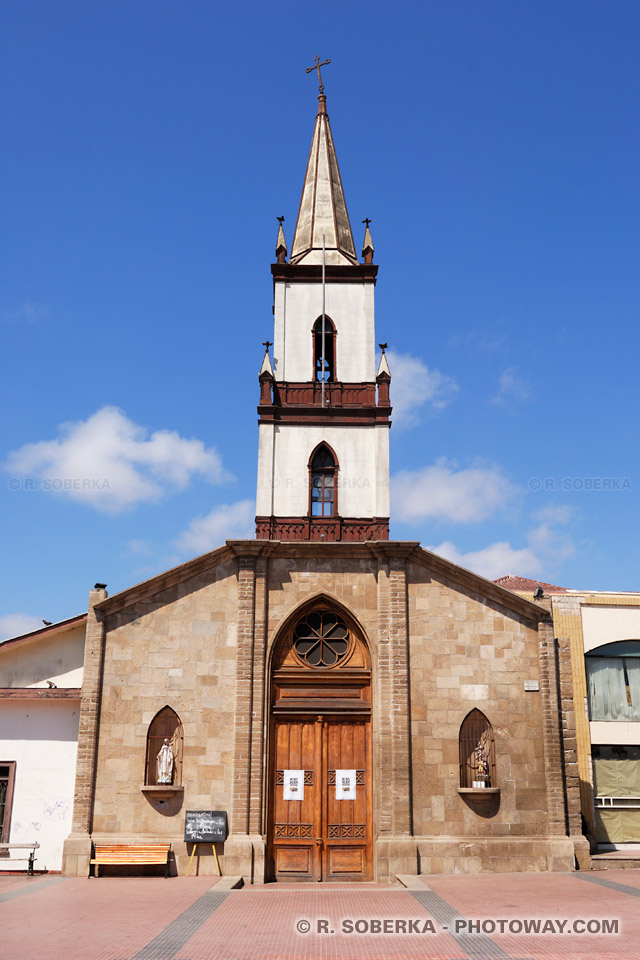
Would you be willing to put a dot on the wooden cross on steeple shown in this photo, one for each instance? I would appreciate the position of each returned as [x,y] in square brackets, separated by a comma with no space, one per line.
[317,67]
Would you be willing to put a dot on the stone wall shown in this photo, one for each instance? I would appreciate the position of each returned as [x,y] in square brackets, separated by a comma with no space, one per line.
[176,648]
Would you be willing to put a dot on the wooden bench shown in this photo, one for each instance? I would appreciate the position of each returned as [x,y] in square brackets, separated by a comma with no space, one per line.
[126,854]
[22,846]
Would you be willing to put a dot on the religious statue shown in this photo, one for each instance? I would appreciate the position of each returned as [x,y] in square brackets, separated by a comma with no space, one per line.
[164,763]
[481,766]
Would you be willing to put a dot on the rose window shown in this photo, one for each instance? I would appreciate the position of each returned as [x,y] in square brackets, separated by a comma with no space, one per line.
[321,639]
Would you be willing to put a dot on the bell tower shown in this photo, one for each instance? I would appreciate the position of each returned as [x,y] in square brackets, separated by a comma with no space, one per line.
[323,459]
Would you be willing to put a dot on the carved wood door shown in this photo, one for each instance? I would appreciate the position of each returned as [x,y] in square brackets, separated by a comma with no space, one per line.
[321,837]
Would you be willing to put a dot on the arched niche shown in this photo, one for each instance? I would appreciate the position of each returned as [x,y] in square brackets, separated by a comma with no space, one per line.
[166,725]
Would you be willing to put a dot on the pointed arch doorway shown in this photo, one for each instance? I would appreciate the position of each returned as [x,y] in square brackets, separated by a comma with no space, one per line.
[320,828]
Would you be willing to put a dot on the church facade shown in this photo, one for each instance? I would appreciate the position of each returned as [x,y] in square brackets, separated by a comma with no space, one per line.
[359,707]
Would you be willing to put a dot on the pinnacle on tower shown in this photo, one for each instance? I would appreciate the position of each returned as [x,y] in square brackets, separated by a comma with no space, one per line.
[281,243]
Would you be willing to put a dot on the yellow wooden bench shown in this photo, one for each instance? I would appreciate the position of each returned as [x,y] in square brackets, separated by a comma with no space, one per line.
[126,854]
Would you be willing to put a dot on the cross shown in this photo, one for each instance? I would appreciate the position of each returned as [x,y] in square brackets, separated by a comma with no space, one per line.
[317,67]
[280,220]
[267,344]
[367,221]
[383,346]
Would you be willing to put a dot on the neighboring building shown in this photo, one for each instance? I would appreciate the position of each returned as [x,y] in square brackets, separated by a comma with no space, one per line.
[40,692]
[603,630]
[360,707]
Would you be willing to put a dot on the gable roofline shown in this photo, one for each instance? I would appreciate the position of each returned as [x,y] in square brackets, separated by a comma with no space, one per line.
[506,598]
[162,581]
[408,549]
[61,625]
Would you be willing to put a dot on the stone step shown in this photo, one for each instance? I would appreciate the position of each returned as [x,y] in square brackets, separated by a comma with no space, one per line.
[616,860]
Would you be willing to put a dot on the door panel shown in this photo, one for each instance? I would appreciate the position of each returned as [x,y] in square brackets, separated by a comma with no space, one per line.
[321,837]
[296,853]
[347,823]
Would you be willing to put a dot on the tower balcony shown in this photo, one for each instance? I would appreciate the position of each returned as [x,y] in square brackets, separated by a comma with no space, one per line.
[346,402]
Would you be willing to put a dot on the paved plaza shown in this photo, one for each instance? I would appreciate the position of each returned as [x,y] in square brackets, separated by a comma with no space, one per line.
[478,917]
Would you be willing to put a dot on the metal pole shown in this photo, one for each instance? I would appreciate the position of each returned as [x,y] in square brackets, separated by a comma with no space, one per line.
[323,314]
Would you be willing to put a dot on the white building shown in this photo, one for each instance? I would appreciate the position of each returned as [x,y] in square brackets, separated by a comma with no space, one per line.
[40,692]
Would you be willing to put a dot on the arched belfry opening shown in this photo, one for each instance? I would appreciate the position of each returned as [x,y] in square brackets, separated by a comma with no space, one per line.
[320,790]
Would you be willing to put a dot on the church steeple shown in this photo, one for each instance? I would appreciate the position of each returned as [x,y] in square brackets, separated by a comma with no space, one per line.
[324,414]
[323,209]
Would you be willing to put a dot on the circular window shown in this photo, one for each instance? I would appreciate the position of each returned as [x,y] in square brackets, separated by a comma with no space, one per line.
[321,639]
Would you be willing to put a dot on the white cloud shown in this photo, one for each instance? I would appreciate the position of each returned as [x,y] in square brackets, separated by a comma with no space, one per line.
[235,521]
[15,624]
[554,513]
[552,546]
[27,313]
[547,549]
[413,385]
[493,561]
[441,492]
[511,387]
[111,463]
[140,547]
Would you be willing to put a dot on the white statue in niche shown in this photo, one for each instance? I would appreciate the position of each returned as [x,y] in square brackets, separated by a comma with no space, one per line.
[164,763]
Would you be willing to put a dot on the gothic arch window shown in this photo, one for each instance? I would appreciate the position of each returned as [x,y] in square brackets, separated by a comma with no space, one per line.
[329,350]
[323,487]
[165,725]
[477,752]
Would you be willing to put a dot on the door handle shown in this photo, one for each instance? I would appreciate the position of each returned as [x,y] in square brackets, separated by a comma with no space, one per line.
[318,840]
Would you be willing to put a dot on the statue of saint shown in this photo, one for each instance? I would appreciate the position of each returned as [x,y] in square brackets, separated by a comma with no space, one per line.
[164,763]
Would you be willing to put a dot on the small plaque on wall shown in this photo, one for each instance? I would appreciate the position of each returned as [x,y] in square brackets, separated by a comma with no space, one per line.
[345,784]
[293,785]
[531,685]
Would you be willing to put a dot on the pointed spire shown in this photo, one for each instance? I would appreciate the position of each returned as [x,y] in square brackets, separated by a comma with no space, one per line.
[266,361]
[383,366]
[323,209]
[367,243]
[281,243]
[265,377]
[383,378]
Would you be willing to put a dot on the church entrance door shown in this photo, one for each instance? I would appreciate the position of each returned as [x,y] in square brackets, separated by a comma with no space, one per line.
[322,836]
[320,826]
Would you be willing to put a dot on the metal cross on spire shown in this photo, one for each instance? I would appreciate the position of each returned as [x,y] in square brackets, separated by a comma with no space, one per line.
[367,221]
[317,67]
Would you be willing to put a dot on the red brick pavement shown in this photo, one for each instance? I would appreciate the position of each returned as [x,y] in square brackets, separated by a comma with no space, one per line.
[115,918]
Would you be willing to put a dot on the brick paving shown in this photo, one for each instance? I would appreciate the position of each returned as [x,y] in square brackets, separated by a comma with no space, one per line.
[54,918]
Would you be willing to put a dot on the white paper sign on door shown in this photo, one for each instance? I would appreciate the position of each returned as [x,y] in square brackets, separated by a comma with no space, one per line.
[345,784]
[293,785]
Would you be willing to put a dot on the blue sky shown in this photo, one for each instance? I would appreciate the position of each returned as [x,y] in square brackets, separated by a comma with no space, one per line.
[149,148]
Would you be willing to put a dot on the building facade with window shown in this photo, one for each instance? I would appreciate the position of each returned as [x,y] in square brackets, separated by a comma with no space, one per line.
[40,694]
[359,707]
[604,631]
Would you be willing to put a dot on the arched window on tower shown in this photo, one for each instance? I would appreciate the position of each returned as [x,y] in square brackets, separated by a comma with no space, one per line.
[477,752]
[165,725]
[323,487]
[329,351]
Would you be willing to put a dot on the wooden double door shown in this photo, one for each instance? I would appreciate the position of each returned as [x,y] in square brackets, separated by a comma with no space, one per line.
[321,837]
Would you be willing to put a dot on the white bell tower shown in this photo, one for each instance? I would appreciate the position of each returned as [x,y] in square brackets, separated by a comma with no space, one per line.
[323,460]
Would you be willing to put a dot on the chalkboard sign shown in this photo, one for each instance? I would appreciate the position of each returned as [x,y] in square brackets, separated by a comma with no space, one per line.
[205,826]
